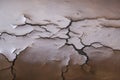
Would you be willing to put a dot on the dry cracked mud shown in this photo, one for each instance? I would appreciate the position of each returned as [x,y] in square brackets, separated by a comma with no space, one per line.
[59,40]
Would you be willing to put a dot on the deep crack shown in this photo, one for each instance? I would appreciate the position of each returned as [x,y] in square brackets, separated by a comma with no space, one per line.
[39,25]
[12,64]
[80,51]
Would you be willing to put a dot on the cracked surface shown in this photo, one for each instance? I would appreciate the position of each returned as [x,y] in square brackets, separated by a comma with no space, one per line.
[65,40]
[5,68]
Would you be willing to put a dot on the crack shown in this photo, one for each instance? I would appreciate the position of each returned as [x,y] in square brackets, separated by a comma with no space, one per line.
[30,24]
[110,26]
[67,27]
[51,38]
[5,69]
[104,25]
[12,69]
[65,71]
[94,18]
[62,74]
[13,63]
[39,25]
[12,34]
[102,46]
[28,17]
[7,61]
[80,51]
[116,51]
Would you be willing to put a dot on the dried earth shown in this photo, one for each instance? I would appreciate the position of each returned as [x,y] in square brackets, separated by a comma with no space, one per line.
[59,40]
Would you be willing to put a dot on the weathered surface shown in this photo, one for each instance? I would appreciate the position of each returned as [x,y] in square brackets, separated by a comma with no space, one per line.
[103,64]
[59,40]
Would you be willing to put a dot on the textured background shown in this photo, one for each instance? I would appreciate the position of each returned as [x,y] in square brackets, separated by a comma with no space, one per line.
[59,39]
